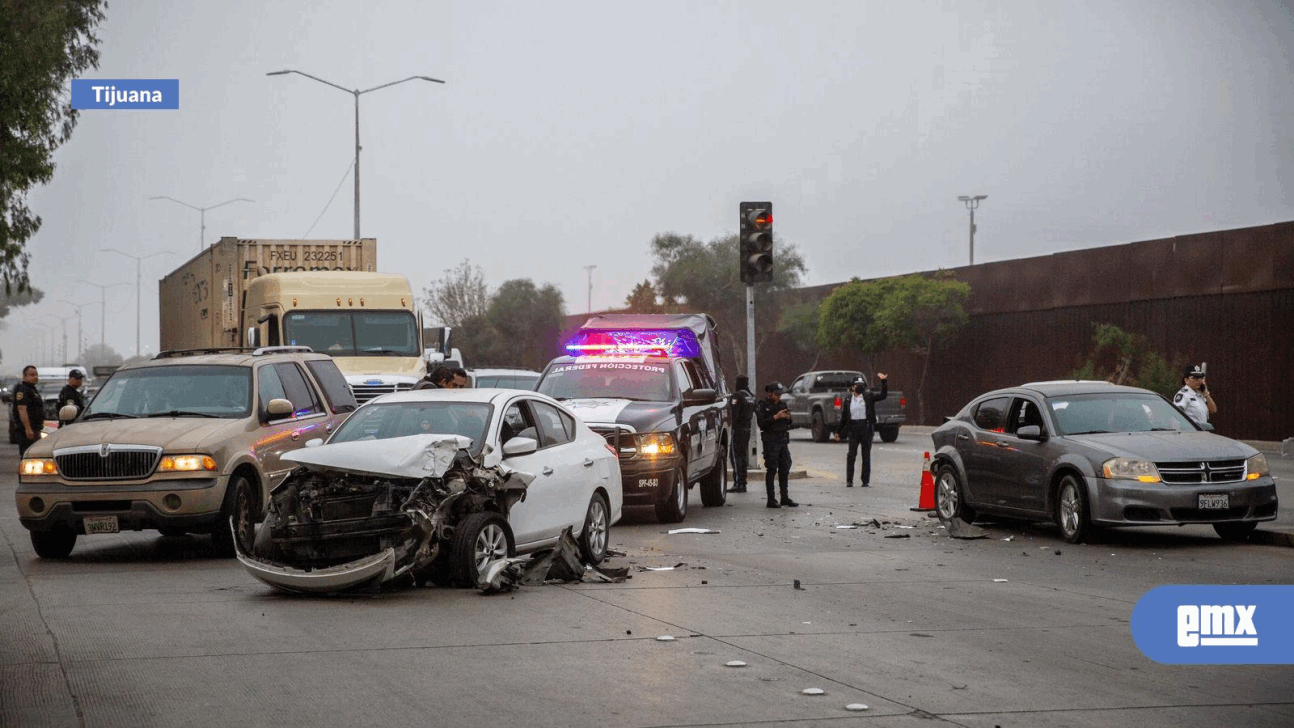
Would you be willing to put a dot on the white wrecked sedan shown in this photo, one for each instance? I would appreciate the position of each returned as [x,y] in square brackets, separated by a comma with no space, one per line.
[433,485]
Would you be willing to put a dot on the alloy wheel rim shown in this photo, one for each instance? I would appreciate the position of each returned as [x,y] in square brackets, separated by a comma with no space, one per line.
[680,492]
[947,496]
[597,527]
[491,545]
[1068,509]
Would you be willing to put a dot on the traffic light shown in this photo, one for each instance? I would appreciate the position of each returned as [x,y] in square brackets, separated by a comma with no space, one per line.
[756,242]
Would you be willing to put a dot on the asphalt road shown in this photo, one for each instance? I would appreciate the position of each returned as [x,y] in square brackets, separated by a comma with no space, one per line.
[1018,629]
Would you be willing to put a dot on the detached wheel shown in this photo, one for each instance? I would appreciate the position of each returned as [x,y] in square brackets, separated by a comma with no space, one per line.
[1235,531]
[56,544]
[478,540]
[950,497]
[819,427]
[597,530]
[241,505]
[714,486]
[889,433]
[1071,510]
[674,510]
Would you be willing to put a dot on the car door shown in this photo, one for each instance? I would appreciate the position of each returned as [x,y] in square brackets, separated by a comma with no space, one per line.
[282,434]
[544,511]
[979,446]
[1019,476]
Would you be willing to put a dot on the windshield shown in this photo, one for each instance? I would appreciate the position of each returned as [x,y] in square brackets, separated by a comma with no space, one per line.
[193,390]
[1116,412]
[384,421]
[353,333]
[648,381]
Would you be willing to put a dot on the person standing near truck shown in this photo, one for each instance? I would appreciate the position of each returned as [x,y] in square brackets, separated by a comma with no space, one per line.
[775,429]
[27,416]
[743,410]
[858,423]
[71,393]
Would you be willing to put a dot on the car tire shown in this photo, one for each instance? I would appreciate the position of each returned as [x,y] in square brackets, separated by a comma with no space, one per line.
[595,538]
[950,496]
[714,486]
[1071,510]
[478,540]
[55,544]
[241,506]
[819,427]
[1237,532]
[674,510]
[889,433]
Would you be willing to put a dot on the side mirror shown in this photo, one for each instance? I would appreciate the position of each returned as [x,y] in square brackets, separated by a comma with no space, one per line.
[68,413]
[699,396]
[1030,432]
[519,446]
[278,407]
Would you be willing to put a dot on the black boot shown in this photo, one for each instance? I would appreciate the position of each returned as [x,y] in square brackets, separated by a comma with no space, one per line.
[772,502]
[787,502]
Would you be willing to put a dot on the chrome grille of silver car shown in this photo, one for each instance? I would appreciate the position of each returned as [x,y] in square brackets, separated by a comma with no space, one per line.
[1196,472]
[619,437]
[107,462]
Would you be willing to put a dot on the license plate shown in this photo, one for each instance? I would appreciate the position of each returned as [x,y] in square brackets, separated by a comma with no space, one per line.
[648,482]
[1213,502]
[101,524]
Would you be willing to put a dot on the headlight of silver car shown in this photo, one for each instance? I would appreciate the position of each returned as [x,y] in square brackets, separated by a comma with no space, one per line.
[1142,471]
[1256,467]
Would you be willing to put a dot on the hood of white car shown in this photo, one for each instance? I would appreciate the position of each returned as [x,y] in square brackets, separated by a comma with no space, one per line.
[412,456]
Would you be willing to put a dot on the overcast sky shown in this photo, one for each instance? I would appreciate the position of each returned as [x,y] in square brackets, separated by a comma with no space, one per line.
[568,134]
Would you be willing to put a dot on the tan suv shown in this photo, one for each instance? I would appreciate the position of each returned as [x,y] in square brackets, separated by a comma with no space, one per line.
[181,444]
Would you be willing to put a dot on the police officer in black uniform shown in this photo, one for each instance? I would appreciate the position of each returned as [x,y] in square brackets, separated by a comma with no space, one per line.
[27,414]
[775,430]
[71,393]
[743,411]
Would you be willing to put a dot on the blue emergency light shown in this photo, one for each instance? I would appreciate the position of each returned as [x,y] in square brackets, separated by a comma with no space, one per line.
[634,342]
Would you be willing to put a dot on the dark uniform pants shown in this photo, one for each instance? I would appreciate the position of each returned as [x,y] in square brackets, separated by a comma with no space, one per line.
[777,460]
[740,457]
[860,434]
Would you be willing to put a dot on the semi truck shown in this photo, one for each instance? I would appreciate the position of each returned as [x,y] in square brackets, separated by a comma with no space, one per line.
[325,294]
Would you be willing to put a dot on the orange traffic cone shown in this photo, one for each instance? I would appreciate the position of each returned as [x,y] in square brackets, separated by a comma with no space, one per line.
[926,501]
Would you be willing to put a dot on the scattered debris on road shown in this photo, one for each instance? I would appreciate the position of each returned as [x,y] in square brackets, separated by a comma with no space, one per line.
[814,691]
[856,706]
[558,564]
[691,530]
[957,528]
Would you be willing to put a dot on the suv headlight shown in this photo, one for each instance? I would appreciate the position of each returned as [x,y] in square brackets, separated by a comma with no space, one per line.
[1129,469]
[186,463]
[656,445]
[1256,467]
[38,466]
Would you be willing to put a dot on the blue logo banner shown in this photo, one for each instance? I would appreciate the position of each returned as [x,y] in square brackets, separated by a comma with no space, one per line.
[1216,625]
[129,93]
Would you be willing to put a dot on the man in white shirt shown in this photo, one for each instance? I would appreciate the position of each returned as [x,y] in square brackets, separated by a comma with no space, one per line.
[858,422]
[1194,398]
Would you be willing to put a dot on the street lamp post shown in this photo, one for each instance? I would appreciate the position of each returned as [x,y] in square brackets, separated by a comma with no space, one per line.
[971,204]
[202,232]
[103,306]
[64,319]
[138,283]
[590,268]
[80,340]
[356,93]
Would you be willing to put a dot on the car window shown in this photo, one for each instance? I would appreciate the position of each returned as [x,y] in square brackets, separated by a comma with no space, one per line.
[690,375]
[300,394]
[798,385]
[1024,412]
[517,422]
[991,414]
[381,421]
[552,429]
[334,385]
[486,381]
[271,387]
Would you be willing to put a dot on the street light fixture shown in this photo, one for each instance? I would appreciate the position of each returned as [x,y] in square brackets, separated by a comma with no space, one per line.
[356,93]
[202,233]
[80,342]
[103,305]
[138,286]
[971,204]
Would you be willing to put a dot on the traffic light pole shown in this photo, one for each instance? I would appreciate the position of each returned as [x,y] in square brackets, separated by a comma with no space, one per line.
[750,370]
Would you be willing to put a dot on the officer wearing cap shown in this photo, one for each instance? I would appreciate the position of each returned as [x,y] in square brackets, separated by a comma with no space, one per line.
[71,394]
[858,423]
[1194,398]
[775,431]
[27,413]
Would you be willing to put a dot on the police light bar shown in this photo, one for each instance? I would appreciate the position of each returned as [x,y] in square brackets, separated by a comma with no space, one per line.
[640,342]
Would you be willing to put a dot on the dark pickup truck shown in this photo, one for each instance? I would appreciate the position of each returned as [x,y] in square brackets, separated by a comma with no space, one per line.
[815,399]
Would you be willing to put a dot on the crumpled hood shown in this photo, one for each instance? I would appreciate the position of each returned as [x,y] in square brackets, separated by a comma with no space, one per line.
[1168,446]
[642,416]
[172,434]
[412,456]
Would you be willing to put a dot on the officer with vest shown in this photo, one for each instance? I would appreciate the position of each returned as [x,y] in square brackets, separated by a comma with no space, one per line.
[71,394]
[775,430]
[1194,398]
[743,411]
[27,413]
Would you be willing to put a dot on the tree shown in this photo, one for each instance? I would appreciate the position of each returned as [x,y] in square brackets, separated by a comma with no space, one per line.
[706,277]
[15,299]
[918,313]
[460,295]
[43,45]
[642,299]
[799,323]
[520,329]
[848,319]
[1122,357]
[100,355]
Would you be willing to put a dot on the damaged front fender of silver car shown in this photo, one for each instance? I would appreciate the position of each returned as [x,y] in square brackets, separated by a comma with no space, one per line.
[364,513]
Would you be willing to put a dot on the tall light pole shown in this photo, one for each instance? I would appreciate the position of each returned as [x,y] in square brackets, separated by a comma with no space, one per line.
[138,283]
[64,319]
[202,231]
[356,93]
[103,305]
[971,204]
[590,268]
[80,341]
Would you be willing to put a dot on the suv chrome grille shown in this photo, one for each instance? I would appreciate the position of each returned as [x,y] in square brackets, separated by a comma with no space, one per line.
[365,392]
[1194,472]
[107,462]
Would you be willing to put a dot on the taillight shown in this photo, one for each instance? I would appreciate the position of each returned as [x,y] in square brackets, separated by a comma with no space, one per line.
[837,402]
[903,401]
